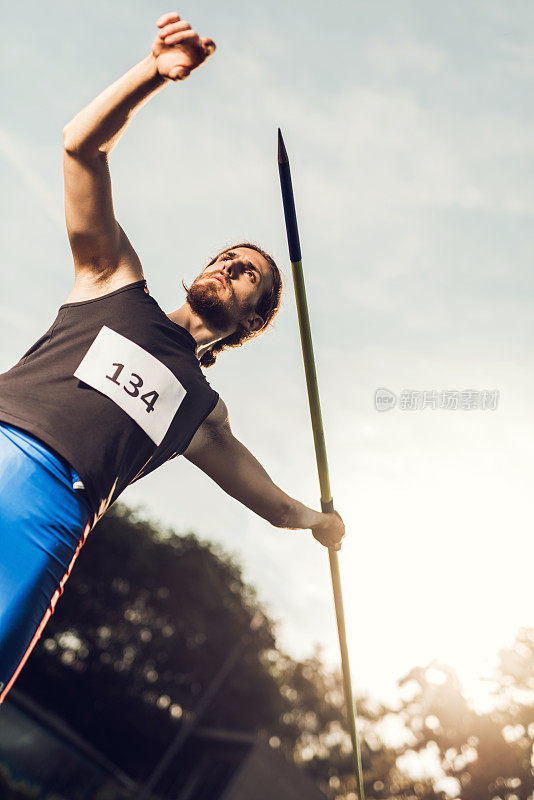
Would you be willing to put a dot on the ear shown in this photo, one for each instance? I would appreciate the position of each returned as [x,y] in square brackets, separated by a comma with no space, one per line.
[253,323]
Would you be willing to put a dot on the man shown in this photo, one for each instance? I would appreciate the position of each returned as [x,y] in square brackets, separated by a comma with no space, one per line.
[114,388]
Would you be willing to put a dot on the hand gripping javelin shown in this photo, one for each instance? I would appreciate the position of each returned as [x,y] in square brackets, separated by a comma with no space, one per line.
[327,503]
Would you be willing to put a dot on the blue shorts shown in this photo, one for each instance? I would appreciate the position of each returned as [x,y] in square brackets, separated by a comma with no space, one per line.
[44,522]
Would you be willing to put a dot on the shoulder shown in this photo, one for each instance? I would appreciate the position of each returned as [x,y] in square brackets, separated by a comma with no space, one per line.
[98,278]
[87,287]
[218,419]
[215,428]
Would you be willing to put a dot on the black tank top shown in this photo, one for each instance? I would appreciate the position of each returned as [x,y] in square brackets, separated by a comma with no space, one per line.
[114,387]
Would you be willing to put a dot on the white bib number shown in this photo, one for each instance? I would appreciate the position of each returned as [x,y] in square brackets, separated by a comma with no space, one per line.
[135,380]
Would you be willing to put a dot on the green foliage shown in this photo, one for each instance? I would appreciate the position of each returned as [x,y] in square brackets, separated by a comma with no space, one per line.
[489,755]
[146,622]
[19,790]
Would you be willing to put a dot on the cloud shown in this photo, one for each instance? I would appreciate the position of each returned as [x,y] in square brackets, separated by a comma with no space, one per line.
[390,57]
[22,159]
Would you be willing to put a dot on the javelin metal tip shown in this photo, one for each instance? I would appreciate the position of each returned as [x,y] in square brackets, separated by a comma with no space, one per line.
[282,152]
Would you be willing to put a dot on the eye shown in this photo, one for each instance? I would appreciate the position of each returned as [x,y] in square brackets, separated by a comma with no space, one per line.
[251,273]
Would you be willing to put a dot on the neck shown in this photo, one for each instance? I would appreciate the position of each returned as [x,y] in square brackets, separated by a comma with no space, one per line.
[203,334]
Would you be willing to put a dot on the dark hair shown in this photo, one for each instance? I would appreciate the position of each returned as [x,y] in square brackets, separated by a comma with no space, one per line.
[267,307]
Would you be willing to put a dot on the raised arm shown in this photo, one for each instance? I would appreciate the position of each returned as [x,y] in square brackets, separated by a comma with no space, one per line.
[100,248]
[216,451]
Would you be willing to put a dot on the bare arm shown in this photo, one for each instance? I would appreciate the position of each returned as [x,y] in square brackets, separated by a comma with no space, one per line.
[99,245]
[216,451]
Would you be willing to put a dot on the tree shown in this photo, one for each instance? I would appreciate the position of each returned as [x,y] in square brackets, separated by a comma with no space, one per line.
[488,755]
[146,620]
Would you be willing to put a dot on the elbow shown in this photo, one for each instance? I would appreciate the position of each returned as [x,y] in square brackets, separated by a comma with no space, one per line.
[68,139]
[75,146]
[281,512]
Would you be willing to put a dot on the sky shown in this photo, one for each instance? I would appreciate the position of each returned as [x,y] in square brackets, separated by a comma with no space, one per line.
[410,130]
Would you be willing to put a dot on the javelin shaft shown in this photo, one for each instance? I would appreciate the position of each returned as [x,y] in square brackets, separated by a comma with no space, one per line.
[327,503]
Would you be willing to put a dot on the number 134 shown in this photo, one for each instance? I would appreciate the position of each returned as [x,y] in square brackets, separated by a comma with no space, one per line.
[136,381]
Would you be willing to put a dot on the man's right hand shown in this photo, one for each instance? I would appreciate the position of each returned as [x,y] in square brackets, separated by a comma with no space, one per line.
[177,49]
[330,530]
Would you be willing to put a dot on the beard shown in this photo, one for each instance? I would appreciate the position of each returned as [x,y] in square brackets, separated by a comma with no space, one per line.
[206,299]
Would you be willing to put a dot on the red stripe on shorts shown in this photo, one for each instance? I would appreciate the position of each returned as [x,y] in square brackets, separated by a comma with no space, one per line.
[50,610]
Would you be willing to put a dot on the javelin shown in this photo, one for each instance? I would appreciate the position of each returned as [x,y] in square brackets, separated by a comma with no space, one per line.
[327,504]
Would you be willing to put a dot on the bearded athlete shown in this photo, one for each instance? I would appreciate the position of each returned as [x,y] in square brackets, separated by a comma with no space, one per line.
[115,387]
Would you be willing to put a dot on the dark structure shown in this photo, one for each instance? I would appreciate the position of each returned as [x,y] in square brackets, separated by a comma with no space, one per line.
[213,764]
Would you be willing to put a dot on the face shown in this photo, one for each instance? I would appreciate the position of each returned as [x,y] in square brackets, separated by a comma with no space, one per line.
[227,292]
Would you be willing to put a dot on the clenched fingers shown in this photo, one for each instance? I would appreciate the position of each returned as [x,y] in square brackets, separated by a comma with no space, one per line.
[170,16]
[178,31]
[167,32]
